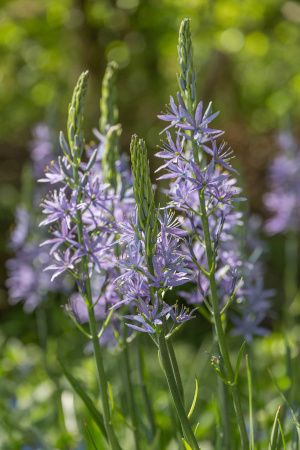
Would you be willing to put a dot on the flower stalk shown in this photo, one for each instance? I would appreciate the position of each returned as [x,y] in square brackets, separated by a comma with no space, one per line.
[76,142]
[148,218]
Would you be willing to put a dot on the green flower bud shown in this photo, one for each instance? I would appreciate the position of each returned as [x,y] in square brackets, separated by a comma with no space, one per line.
[108,108]
[187,75]
[143,191]
[75,117]
[111,155]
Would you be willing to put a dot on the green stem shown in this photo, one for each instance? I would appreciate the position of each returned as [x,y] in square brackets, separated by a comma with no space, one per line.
[101,373]
[129,390]
[224,428]
[219,328]
[103,387]
[143,386]
[251,445]
[185,423]
[176,369]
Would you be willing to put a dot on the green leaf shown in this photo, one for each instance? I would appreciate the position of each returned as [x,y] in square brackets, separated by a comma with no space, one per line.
[238,362]
[186,445]
[282,435]
[112,404]
[295,420]
[251,443]
[89,433]
[218,372]
[86,400]
[194,399]
[274,433]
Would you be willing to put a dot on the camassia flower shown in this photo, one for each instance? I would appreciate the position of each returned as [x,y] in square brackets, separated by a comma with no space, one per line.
[148,316]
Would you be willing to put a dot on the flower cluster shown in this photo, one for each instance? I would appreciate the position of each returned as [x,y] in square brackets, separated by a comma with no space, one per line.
[199,169]
[152,262]
[26,280]
[83,208]
[283,198]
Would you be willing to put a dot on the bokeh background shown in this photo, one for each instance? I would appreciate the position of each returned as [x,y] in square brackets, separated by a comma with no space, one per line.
[247,59]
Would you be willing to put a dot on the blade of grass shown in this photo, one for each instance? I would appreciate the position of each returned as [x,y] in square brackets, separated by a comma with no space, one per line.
[251,443]
[194,399]
[89,433]
[295,420]
[86,400]
[274,434]
[282,435]
[238,362]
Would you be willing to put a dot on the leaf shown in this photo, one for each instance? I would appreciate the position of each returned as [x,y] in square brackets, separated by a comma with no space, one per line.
[251,444]
[194,399]
[89,433]
[112,405]
[282,435]
[295,420]
[176,369]
[186,445]
[221,376]
[238,362]
[274,433]
[86,400]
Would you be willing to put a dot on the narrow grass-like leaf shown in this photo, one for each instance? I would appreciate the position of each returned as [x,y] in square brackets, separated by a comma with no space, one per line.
[89,433]
[295,440]
[205,314]
[282,435]
[238,362]
[218,372]
[231,298]
[86,399]
[251,443]
[295,420]
[112,405]
[186,445]
[218,424]
[176,369]
[274,433]
[194,399]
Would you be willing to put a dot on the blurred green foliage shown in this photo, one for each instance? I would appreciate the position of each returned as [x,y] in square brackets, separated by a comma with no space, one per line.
[247,56]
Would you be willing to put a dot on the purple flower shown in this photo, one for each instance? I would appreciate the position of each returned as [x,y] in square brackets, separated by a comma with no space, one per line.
[220,154]
[64,262]
[164,279]
[180,171]
[19,234]
[61,234]
[94,247]
[183,316]
[132,263]
[174,115]
[148,316]
[96,193]
[205,179]
[283,198]
[58,206]
[171,225]
[54,174]
[132,289]
[224,194]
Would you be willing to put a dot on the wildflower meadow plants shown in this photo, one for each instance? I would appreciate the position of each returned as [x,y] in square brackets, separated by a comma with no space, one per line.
[126,254]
